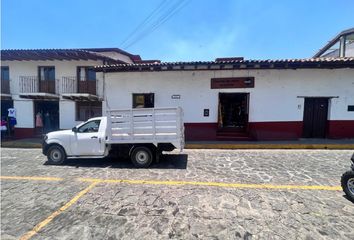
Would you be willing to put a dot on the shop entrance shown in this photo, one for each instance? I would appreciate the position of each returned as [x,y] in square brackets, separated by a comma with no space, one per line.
[46,116]
[233,112]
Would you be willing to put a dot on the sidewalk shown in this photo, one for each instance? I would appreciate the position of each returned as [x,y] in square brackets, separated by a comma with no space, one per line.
[22,143]
[296,144]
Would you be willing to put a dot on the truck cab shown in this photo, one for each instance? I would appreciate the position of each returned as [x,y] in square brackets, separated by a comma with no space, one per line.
[86,139]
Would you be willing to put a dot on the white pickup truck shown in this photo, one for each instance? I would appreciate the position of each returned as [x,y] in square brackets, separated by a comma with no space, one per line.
[142,134]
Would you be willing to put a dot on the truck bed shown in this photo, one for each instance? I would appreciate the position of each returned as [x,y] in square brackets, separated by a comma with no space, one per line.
[146,125]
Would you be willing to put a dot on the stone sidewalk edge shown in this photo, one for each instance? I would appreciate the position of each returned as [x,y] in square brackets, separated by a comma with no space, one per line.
[268,146]
[13,144]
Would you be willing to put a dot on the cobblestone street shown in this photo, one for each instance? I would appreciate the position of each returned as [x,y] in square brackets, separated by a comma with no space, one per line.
[200,194]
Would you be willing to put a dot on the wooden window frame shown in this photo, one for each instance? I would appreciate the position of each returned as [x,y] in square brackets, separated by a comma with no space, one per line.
[39,73]
[8,69]
[134,95]
[78,77]
[88,104]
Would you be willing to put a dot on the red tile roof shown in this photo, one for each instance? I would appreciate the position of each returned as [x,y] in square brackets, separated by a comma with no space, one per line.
[63,54]
[236,64]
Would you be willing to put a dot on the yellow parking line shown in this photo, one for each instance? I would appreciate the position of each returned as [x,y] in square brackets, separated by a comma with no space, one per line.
[31,178]
[42,224]
[214,184]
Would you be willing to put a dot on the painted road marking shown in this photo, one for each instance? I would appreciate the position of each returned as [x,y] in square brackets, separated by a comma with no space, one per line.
[42,224]
[214,184]
[31,178]
[156,182]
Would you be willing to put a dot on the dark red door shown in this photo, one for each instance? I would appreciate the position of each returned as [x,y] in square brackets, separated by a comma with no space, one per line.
[315,117]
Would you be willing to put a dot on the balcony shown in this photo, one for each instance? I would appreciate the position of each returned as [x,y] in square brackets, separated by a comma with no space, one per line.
[32,87]
[5,86]
[71,85]
[83,89]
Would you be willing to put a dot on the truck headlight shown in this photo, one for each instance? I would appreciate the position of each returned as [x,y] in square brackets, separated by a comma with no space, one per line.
[45,137]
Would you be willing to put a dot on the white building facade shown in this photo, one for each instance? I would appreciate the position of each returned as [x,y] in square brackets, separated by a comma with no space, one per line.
[57,85]
[243,100]
[225,99]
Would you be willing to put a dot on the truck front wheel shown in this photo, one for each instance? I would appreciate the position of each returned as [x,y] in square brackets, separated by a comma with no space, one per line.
[141,157]
[56,155]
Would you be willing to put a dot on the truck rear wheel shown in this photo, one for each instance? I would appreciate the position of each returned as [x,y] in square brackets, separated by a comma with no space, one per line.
[141,157]
[347,183]
[56,155]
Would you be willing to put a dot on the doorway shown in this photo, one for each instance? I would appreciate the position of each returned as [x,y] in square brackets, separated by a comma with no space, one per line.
[315,117]
[233,112]
[46,116]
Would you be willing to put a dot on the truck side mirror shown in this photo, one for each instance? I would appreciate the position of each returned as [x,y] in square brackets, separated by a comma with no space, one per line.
[74,129]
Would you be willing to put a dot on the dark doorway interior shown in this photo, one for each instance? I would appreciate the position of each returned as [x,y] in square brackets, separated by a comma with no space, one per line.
[233,111]
[6,129]
[6,104]
[46,116]
[315,117]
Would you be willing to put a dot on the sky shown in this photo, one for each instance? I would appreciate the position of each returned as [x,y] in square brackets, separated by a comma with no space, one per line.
[178,30]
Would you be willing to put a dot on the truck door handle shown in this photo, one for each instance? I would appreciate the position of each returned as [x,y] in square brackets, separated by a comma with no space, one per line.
[94,137]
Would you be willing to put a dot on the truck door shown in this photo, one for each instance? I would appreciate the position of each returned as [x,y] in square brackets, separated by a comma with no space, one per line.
[87,140]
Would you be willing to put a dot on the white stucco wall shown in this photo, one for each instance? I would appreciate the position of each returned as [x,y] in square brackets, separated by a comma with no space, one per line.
[62,69]
[274,98]
[24,113]
[67,114]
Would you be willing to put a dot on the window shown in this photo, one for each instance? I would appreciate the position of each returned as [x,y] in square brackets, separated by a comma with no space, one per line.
[5,80]
[46,73]
[86,110]
[86,74]
[349,45]
[5,74]
[143,100]
[91,126]
[332,51]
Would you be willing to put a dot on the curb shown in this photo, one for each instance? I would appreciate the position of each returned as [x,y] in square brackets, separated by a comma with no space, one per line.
[268,146]
[20,145]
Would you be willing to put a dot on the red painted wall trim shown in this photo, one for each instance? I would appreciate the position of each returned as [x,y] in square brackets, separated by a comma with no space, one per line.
[291,130]
[200,131]
[24,133]
[275,130]
[341,129]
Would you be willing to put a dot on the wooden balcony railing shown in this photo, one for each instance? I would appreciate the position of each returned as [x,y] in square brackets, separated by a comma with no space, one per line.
[71,85]
[5,86]
[31,84]
[87,87]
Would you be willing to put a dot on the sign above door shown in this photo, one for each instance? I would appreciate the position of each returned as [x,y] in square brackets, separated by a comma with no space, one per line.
[232,82]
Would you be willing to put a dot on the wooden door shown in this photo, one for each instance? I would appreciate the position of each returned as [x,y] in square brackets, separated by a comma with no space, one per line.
[315,117]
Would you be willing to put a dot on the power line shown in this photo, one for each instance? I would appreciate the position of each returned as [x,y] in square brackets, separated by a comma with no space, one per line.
[166,10]
[157,23]
[161,20]
[146,20]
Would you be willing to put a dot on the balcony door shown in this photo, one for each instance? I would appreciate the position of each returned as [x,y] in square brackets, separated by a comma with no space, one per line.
[86,77]
[46,76]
